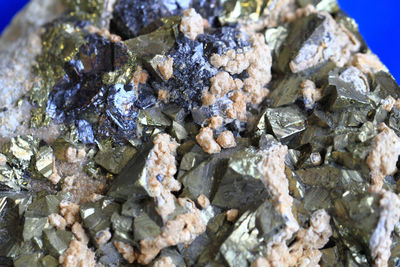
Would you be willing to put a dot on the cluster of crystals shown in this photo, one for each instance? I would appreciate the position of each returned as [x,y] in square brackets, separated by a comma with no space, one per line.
[130,17]
[80,96]
[196,133]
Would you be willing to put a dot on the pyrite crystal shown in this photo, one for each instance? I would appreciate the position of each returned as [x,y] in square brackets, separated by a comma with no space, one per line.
[196,133]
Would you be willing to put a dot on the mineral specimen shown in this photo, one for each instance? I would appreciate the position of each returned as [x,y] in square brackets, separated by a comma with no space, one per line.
[196,133]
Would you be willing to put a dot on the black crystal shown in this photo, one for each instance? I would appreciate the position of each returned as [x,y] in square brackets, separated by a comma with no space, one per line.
[130,16]
[81,98]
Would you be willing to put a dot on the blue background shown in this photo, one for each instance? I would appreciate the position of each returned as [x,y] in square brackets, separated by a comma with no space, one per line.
[379,23]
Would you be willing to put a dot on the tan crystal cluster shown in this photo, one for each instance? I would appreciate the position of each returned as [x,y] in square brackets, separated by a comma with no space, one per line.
[368,63]
[311,93]
[206,140]
[305,251]
[382,161]
[272,168]
[164,262]
[389,102]
[160,176]
[383,157]
[78,253]
[192,23]
[185,227]
[257,61]
[380,241]
[126,251]
[166,68]
[182,230]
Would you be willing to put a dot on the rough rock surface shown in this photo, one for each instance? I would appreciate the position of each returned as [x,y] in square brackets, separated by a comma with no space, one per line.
[19,45]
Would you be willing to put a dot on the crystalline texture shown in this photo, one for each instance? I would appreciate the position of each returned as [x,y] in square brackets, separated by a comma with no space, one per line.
[98,110]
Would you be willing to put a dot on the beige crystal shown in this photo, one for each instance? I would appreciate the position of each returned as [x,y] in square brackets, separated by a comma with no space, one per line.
[272,167]
[163,95]
[162,164]
[216,122]
[205,138]
[383,157]
[182,230]
[257,62]
[70,212]
[57,221]
[166,68]
[311,93]
[221,84]
[305,250]
[164,262]
[103,237]
[192,24]
[54,177]
[380,241]
[79,233]
[226,139]
[232,215]
[389,102]
[77,254]
[140,76]
[368,63]
[126,251]
[203,201]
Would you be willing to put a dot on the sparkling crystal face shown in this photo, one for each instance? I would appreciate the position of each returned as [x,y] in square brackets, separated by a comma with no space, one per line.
[196,133]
